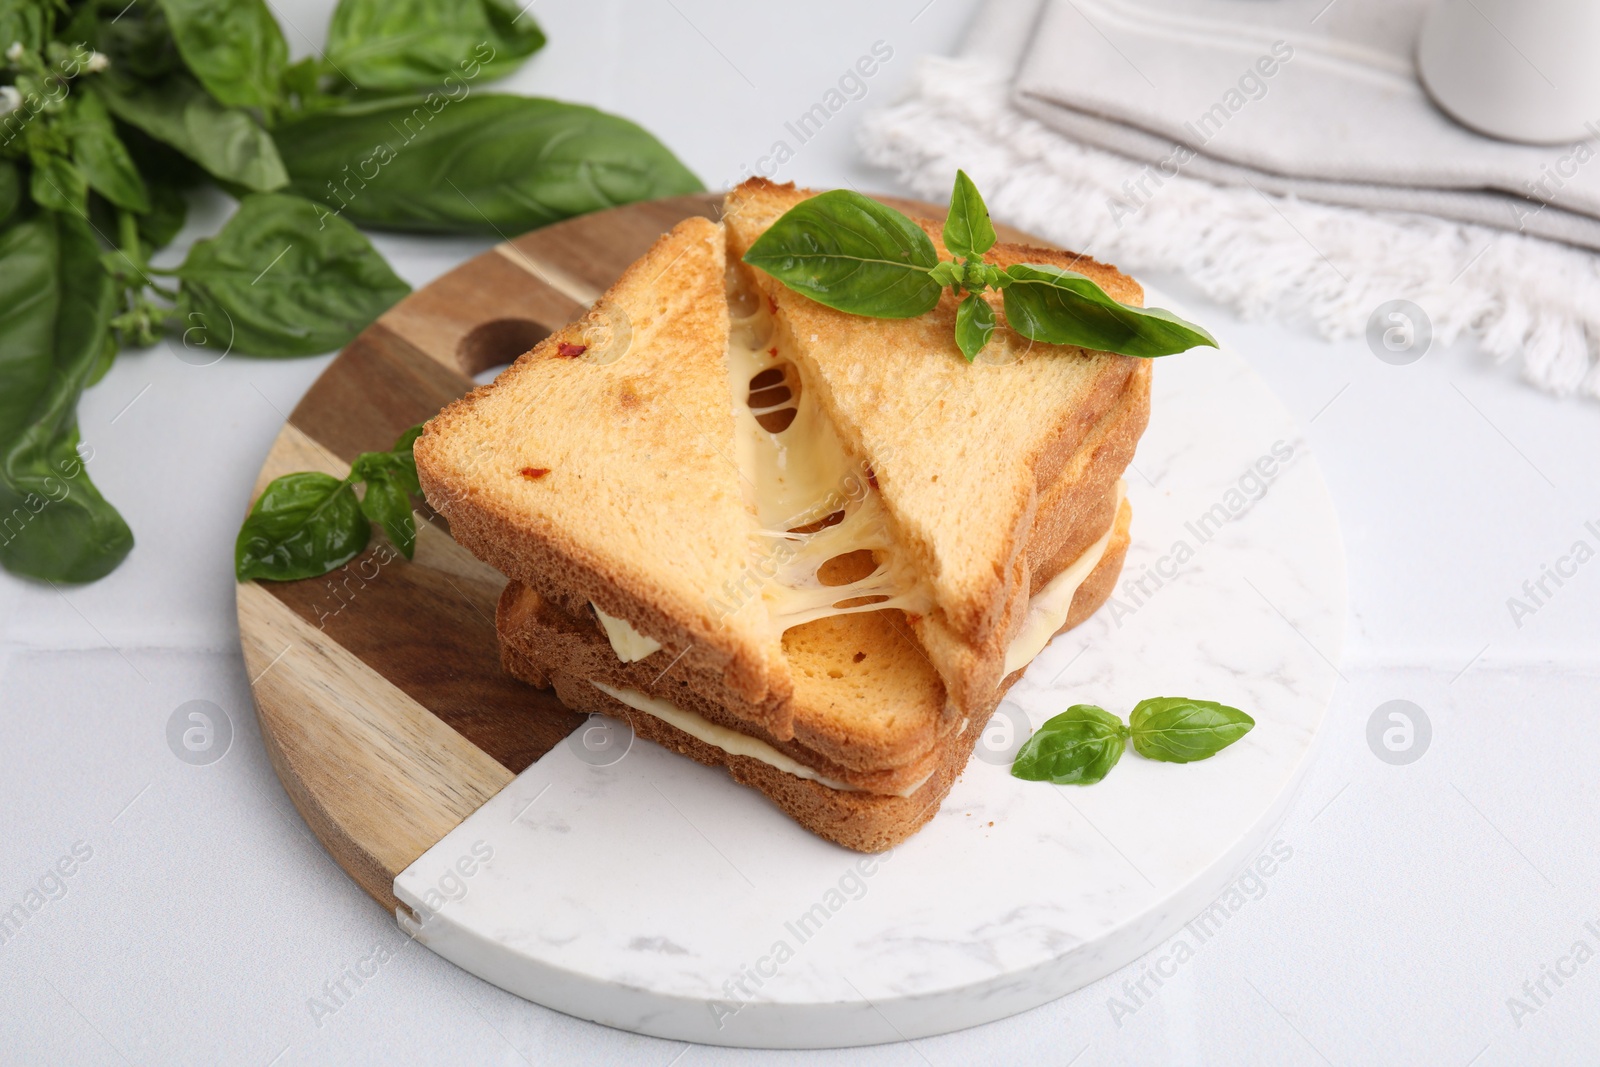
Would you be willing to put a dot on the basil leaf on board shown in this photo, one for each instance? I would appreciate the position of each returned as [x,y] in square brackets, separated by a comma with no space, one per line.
[227,142]
[481,163]
[407,461]
[967,229]
[281,283]
[387,504]
[303,525]
[1077,747]
[55,310]
[974,324]
[1179,730]
[1063,307]
[851,253]
[100,154]
[234,47]
[417,44]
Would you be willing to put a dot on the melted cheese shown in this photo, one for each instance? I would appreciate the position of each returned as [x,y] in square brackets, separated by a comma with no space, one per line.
[798,477]
[629,644]
[730,741]
[1049,607]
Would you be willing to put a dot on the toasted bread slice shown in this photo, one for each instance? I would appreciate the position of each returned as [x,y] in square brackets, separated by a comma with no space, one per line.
[570,472]
[540,650]
[958,450]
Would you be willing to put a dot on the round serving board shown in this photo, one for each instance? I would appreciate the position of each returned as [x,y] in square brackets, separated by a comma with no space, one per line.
[610,879]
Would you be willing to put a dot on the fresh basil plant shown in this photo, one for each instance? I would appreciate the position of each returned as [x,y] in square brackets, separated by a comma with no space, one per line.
[113,111]
[1083,743]
[852,253]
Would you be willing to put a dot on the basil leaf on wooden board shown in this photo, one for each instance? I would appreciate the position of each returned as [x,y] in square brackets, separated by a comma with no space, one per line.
[100,154]
[481,163]
[850,252]
[417,44]
[1180,730]
[1062,307]
[387,504]
[282,283]
[227,142]
[55,310]
[1077,747]
[974,324]
[407,460]
[303,525]
[967,229]
[234,47]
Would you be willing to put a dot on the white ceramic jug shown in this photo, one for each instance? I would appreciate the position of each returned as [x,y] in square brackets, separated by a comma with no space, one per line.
[1522,70]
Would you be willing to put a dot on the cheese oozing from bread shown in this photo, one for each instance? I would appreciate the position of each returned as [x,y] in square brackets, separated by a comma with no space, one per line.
[1049,607]
[730,741]
[813,503]
[629,644]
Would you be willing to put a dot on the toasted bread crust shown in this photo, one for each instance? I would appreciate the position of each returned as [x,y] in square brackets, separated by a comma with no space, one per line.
[863,821]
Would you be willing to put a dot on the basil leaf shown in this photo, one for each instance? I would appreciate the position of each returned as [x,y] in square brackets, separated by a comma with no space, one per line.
[481,163]
[387,504]
[227,142]
[303,525]
[56,184]
[967,229]
[418,44]
[137,39]
[55,310]
[406,461]
[100,154]
[1179,730]
[852,253]
[1063,307]
[282,283]
[234,47]
[24,22]
[1077,747]
[168,210]
[974,324]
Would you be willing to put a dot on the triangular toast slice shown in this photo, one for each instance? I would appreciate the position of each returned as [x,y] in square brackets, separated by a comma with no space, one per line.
[958,451]
[598,468]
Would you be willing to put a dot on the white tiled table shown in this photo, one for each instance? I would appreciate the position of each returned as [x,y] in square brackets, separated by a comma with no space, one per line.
[1419,898]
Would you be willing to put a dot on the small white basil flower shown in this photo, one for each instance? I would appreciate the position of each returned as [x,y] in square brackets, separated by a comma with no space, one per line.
[97,62]
[14,53]
[10,99]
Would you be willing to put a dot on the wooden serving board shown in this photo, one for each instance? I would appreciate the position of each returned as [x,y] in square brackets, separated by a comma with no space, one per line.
[378,687]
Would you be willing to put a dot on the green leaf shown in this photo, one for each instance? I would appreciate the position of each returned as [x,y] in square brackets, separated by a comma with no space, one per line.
[100,154]
[303,525]
[387,504]
[407,461]
[1077,747]
[227,142]
[852,253]
[1062,307]
[282,282]
[1179,730]
[234,47]
[57,185]
[974,324]
[24,21]
[967,229]
[55,309]
[420,44]
[481,163]
[168,210]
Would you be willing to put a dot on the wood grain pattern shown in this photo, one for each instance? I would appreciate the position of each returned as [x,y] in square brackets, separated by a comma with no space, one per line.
[378,687]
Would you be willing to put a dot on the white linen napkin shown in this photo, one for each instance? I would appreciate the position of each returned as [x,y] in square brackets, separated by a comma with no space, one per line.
[1280,152]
